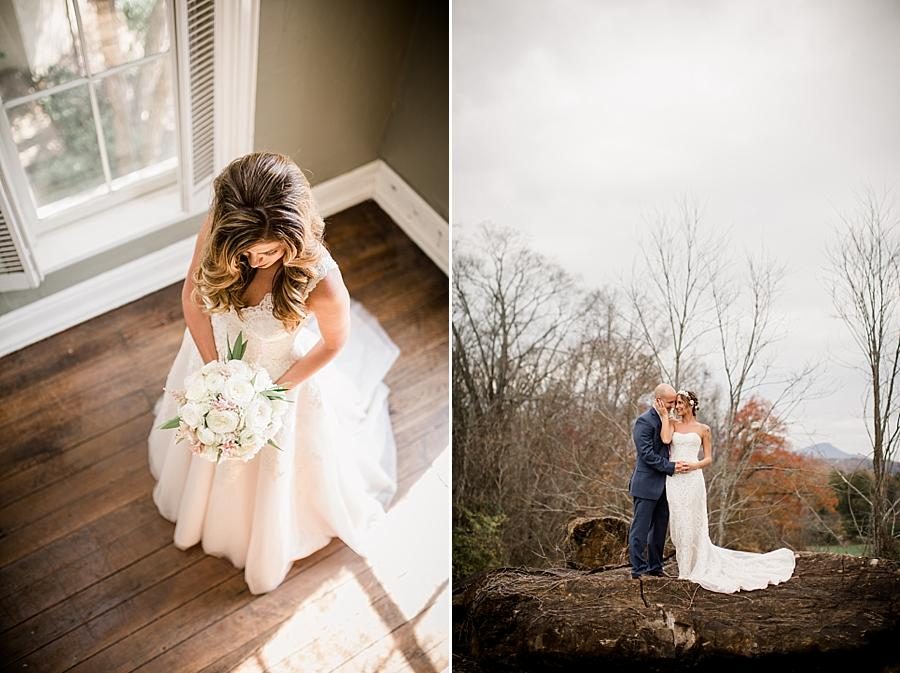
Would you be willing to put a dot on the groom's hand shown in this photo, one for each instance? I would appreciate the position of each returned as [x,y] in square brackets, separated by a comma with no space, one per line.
[681,466]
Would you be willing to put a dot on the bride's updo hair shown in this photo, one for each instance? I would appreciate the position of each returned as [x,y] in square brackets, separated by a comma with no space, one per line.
[689,397]
[260,197]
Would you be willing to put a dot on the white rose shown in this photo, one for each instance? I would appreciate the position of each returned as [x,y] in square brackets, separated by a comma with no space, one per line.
[250,440]
[222,421]
[214,381]
[192,414]
[214,366]
[257,414]
[239,369]
[195,388]
[262,380]
[239,390]
[206,436]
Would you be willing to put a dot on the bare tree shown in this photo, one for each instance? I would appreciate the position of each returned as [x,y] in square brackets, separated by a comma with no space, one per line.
[866,292]
[671,292]
[743,323]
[546,380]
[513,312]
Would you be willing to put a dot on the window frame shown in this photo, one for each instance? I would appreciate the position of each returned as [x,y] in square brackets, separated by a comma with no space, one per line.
[36,226]
[235,27]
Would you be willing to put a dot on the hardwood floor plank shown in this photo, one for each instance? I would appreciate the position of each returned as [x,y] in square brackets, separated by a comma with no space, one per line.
[213,578]
[105,471]
[77,394]
[349,629]
[34,365]
[102,500]
[82,575]
[158,635]
[306,588]
[437,657]
[101,597]
[78,545]
[46,434]
[404,648]
[69,463]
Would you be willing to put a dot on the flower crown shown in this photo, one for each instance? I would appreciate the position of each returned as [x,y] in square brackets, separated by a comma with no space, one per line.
[687,395]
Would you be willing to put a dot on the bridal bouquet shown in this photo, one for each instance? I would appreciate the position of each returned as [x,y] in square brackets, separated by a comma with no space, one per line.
[229,408]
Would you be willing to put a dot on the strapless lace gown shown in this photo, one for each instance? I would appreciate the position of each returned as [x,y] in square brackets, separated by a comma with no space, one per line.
[335,474]
[699,560]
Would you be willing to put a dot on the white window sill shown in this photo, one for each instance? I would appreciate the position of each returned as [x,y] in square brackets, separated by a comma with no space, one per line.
[113,227]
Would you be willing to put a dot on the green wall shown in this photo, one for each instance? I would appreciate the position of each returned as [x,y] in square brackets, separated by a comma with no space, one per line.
[417,141]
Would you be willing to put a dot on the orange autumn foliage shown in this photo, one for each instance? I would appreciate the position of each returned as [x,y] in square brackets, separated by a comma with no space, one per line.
[779,487]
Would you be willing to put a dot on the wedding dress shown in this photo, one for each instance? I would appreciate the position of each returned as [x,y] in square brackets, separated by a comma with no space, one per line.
[699,560]
[336,471]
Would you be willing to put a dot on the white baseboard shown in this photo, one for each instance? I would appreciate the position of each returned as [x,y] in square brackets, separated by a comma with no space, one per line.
[412,213]
[109,290]
[88,299]
[347,189]
[377,180]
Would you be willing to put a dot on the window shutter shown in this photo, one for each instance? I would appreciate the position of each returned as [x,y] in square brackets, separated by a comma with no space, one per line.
[195,24]
[18,270]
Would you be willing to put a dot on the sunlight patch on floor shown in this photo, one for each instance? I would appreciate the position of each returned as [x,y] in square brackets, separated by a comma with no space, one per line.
[393,611]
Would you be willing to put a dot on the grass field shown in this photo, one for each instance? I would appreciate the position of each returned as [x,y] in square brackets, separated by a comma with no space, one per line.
[852,550]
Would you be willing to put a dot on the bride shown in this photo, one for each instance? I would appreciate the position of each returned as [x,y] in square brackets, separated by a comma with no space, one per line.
[261,267]
[699,560]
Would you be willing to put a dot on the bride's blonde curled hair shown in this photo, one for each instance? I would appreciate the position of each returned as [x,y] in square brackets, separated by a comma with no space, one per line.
[260,197]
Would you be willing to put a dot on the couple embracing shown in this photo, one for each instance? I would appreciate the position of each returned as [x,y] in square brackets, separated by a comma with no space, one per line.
[669,491]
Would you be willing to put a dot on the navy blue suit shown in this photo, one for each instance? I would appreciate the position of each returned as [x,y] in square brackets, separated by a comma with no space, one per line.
[648,491]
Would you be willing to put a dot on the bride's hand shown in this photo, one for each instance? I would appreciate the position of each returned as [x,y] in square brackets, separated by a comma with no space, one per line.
[661,409]
[282,384]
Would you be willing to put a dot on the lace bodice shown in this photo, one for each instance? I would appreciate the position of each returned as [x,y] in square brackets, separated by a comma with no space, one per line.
[268,341]
[685,446]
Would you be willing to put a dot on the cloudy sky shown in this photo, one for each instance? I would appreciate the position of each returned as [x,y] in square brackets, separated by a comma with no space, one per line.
[577,121]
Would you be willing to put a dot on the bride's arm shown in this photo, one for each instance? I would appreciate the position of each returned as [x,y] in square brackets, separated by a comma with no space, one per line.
[668,427]
[195,317]
[330,301]
[706,437]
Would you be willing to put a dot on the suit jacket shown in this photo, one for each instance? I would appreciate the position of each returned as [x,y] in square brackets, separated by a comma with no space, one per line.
[653,464]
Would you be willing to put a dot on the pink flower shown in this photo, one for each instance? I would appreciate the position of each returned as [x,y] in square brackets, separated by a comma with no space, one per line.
[221,404]
[178,395]
[229,447]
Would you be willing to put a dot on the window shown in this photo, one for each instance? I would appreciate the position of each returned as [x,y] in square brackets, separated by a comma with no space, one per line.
[88,91]
[115,116]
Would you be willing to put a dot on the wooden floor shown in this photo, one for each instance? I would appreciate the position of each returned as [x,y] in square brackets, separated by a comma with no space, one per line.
[89,577]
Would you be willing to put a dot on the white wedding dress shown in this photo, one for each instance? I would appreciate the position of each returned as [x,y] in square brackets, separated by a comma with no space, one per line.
[699,560]
[336,471]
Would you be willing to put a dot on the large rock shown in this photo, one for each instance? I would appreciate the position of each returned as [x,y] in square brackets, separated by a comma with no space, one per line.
[836,613]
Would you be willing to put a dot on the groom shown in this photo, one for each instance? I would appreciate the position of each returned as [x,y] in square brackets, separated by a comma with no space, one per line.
[648,487]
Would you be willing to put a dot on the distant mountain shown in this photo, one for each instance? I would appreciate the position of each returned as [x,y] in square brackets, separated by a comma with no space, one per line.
[827,451]
[841,460]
